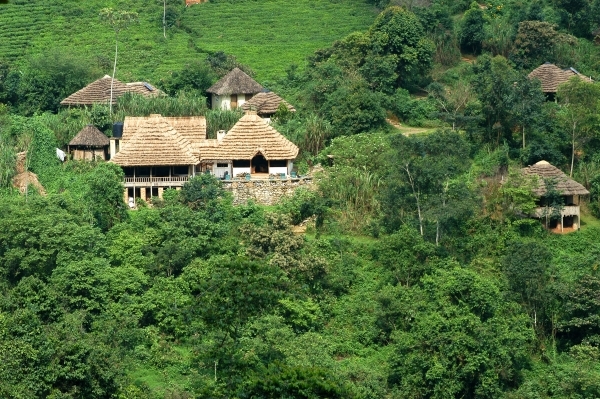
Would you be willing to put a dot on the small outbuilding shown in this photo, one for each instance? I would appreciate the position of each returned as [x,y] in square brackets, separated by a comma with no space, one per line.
[570,191]
[89,144]
[552,76]
[266,104]
[233,90]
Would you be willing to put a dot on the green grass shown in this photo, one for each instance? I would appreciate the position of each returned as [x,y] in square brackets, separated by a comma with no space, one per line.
[266,35]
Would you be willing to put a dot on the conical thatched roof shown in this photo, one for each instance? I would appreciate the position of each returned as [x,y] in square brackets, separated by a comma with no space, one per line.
[552,76]
[266,103]
[90,136]
[155,142]
[251,135]
[235,82]
[564,184]
[96,92]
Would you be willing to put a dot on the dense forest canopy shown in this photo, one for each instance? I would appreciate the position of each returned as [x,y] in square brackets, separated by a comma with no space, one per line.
[419,274]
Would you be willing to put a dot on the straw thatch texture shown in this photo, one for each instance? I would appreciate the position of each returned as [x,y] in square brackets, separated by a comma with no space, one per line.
[235,82]
[145,89]
[155,142]
[90,136]
[249,136]
[266,103]
[564,184]
[552,76]
[193,128]
[96,92]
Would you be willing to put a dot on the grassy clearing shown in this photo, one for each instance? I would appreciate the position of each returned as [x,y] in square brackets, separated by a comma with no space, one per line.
[266,35]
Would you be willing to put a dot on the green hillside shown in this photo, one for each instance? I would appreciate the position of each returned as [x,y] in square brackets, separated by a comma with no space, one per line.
[266,35]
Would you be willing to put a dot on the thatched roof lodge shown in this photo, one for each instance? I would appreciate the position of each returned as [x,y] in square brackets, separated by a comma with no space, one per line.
[89,144]
[233,90]
[552,76]
[98,92]
[252,146]
[266,104]
[569,190]
[158,152]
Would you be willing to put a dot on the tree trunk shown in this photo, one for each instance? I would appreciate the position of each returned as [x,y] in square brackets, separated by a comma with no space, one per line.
[573,149]
[523,136]
[112,81]
[165,18]
[416,195]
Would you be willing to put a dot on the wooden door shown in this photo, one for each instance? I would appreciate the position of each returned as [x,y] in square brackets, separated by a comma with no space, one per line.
[234,101]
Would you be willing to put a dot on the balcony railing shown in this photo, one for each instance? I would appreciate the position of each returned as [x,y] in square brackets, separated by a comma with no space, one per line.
[571,210]
[176,180]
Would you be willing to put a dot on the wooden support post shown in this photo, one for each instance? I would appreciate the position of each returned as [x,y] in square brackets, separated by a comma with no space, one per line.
[143,193]
[562,222]
[160,192]
[126,195]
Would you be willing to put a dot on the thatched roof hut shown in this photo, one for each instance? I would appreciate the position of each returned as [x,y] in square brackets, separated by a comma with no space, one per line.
[99,91]
[250,136]
[89,136]
[564,184]
[266,103]
[155,142]
[235,82]
[552,76]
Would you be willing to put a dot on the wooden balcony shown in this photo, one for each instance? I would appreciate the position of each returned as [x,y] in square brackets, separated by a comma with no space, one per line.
[570,210]
[173,181]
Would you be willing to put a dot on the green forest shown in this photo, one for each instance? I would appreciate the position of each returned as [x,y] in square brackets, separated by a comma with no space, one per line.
[419,274]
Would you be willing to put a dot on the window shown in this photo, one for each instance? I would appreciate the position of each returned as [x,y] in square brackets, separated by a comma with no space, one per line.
[180,170]
[278,164]
[222,165]
[241,164]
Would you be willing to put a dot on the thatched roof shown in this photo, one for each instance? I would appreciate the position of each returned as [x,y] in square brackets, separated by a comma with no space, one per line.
[250,136]
[99,91]
[193,128]
[145,89]
[90,136]
[564,184]
[155,142]
[235,82]
[266,103]
[552,76]
[96,92]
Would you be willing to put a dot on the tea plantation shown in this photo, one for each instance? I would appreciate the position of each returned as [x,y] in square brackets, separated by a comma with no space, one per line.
[268,36]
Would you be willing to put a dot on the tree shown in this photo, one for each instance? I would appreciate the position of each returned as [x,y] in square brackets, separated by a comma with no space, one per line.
[105,195]
[118,21]
[456,337]
[527,99]
[471,29]
[452,102]
[579,112]
[398,32]
[200,190]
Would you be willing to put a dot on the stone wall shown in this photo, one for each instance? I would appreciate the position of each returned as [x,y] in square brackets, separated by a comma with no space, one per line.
[265,192]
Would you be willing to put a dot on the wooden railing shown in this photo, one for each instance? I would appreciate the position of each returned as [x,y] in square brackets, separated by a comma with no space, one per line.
[570,210]
[172,179]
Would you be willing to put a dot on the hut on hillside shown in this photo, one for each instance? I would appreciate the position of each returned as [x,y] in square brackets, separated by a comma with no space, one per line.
[252,147]
[158,153]
[569,190]
[266,104]
[89,144]
[98,92]
[233,90]
[552,76]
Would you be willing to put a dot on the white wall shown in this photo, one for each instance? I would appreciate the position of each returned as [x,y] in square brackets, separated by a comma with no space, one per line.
[224,102]
[278,170]
[240,170]
[220,171]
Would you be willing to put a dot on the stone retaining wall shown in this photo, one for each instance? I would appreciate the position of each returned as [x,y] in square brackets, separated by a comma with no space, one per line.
[265,192]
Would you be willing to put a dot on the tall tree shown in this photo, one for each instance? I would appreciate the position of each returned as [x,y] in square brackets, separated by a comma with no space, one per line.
[579,112]
[118,21]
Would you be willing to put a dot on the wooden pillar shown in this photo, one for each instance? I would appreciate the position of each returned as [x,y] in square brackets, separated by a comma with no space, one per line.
[178,188]
[160,192]
[126,195]
[562,222]
[143,193]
